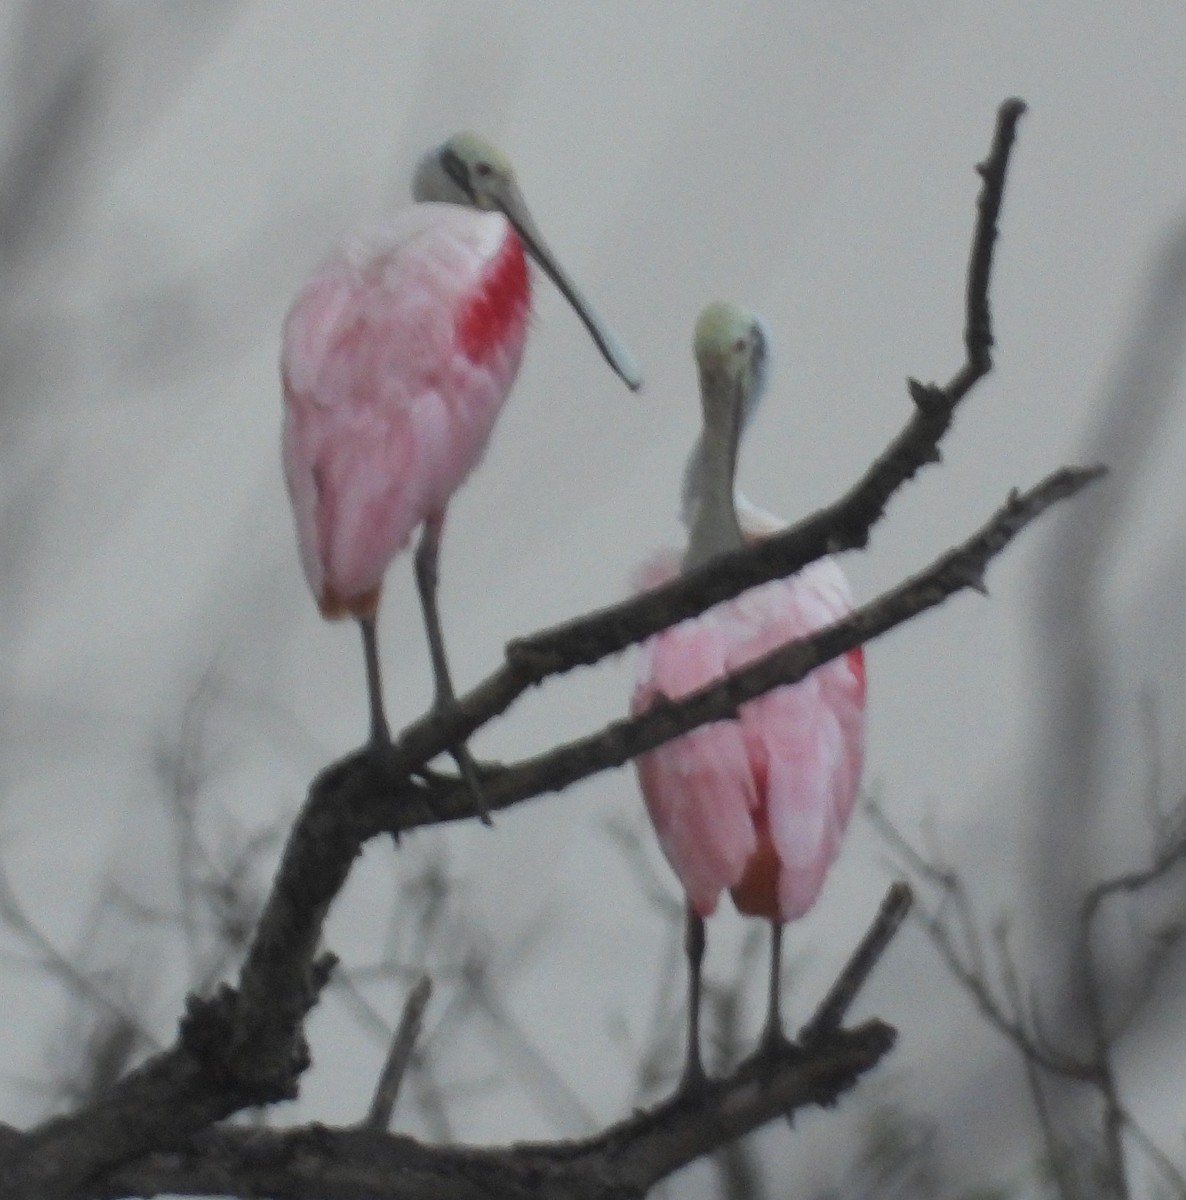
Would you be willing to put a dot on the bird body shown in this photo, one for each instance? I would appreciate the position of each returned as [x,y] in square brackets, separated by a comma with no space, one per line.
[756,805]
[398,354]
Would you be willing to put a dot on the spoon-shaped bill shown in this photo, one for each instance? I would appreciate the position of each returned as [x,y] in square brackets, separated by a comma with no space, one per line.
[612,348]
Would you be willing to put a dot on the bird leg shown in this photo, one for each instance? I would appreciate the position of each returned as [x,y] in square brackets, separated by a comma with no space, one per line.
[773,1037]
[427,557]
[693,1078]
[380,733]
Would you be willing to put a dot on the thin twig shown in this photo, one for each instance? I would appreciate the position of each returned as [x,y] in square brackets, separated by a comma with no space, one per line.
[835,1005]
[1169,1170]
[1091,990]
[972,978]
[54,962]
[399,1056]
[1010,981]
[1169,854]
[960,568]
[1165,858]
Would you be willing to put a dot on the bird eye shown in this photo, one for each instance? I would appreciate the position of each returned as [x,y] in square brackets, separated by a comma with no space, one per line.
[484,169]
[740,346]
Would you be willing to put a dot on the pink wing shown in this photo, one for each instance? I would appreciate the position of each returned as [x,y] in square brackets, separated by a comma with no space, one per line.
[397,356]
[805,741]
[699,789]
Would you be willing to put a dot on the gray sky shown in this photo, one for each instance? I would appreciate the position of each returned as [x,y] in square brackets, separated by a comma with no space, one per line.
[811,161]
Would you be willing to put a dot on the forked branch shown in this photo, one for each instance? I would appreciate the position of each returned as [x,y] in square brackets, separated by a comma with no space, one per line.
[620,1163]
[843,525]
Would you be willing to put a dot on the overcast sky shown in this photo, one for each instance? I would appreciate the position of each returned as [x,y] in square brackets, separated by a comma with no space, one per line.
[811,161]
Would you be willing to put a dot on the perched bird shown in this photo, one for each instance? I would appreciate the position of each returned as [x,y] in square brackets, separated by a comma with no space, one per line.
[398,354]
[755,805]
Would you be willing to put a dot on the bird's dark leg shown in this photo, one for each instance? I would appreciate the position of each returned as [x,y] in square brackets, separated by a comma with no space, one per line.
[693,1077]
[427,556]
[380,733]
[772,1035]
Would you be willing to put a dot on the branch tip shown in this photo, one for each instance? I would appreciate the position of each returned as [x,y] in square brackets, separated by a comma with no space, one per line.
[834,1008]
[378,1117]
[929,398]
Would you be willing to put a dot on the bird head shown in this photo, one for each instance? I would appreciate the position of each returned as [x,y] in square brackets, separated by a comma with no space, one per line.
[732,348]
[467,169]
[731,345]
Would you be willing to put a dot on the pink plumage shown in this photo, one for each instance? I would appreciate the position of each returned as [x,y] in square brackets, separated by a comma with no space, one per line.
[757,805]
[398,354]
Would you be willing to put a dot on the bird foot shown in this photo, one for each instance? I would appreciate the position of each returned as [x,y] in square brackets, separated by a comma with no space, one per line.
[445,702]
[468,770]
[773,1040]
[439,781]
[774,1044]
[693,1082]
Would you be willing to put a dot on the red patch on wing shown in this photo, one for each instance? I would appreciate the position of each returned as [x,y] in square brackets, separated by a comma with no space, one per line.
[856,664]
[499,302]
[363,608]
[756,894]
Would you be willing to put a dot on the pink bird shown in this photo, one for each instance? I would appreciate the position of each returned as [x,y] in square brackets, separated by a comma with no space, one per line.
[398,354]
[755,805]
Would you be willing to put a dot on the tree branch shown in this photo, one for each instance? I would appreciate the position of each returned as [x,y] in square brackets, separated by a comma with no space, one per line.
[623,1161]
[402,1044]
[840,526]
[968,966]
[617,743]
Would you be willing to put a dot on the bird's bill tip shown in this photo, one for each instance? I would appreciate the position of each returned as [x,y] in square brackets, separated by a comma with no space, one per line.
[613,350]
[622,362]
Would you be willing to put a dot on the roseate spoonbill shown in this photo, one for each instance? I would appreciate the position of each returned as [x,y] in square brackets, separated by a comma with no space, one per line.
[397,355]
[756,805]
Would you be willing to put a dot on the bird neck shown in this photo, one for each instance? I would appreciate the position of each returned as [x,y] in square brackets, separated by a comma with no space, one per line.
[708,492]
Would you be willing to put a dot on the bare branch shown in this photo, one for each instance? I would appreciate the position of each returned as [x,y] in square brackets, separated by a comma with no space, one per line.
[971,976]
[1166,856]
[249,1042]
[378,1118]
[1009,1015]
[245,1046]
[622,1161]
[1056,1154]
[834,1008]
[254,1034]
[617,743]
[840,526]
[54,962]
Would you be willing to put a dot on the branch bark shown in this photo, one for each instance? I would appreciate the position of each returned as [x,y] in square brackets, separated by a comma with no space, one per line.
[623,1161]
